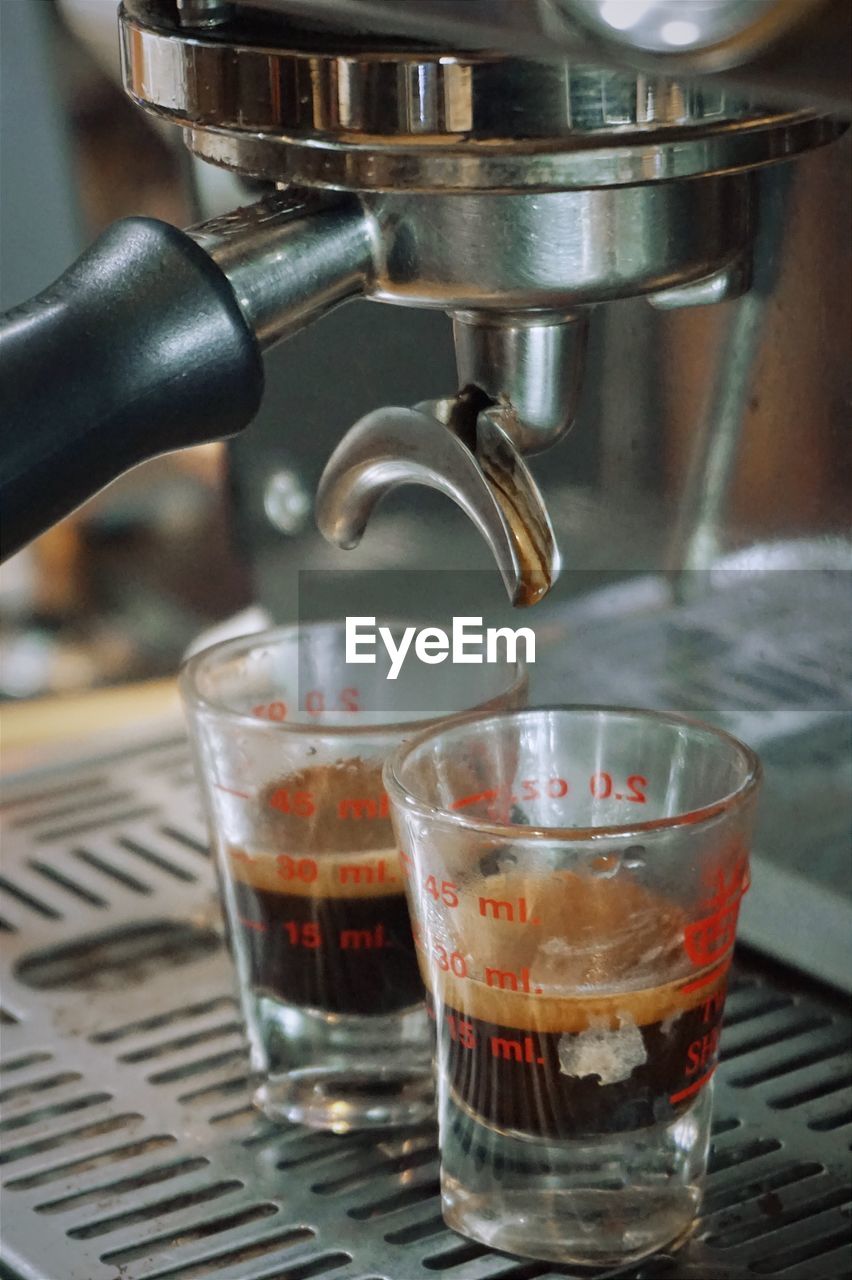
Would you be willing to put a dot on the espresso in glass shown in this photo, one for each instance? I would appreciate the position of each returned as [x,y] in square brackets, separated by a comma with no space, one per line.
[321,934]
[339,942]
[575,877]
[290,736]
[555,1038]
[574,1044]
[321,907]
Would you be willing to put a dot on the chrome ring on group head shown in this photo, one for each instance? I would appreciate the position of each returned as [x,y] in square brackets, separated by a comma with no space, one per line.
[386,118]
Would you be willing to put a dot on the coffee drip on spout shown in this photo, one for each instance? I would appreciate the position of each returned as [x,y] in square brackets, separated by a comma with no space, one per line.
[520,381]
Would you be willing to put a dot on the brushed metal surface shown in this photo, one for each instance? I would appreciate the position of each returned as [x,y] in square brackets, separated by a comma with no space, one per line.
[130,1148]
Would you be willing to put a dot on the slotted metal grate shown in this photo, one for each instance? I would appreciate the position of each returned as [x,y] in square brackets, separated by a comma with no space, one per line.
[130,1149]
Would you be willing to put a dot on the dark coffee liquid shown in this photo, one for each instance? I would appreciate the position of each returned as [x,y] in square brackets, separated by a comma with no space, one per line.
[320,910]
[567,1005]
[544,1082]
[336,954]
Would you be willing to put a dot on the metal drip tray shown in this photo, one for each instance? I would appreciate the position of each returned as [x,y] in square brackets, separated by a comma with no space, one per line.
[130,1149]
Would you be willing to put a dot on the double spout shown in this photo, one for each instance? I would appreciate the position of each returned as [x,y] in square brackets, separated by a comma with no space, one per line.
[520,376]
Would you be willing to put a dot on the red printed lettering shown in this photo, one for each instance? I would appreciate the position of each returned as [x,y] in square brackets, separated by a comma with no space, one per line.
[304,869]
[298,804]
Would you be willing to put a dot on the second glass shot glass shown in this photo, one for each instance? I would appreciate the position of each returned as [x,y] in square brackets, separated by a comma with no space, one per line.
[290,742]
[575,876]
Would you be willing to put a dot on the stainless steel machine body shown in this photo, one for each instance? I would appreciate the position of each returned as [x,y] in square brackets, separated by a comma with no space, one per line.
[513,192]
[514,185]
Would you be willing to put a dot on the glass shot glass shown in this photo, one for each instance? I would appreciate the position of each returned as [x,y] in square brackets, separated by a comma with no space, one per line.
[574,876]
[289,743]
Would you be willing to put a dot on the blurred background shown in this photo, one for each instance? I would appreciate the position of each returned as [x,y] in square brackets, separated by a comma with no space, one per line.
[117,591]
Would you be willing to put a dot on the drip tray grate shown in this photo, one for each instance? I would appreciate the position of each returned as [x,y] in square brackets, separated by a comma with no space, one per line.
[130,1150]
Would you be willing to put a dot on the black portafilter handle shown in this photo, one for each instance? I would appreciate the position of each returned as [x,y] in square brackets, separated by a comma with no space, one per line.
[139,348]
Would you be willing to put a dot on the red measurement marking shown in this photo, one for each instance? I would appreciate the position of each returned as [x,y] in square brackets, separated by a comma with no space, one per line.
[365,873]
[513,912]
[298,804]
[258,925]
[303,933]
[707,978]
[276,711]
[601,787]
[304,869]
[637,785]
[350,700]
[712,937]
[517,1050]
[554,788]
[360,807]
[445,892]
[451,962]
[232,791]
[691,1088]
[363,939]
[464,801]
[509,980]
[316,701]
[461,1032]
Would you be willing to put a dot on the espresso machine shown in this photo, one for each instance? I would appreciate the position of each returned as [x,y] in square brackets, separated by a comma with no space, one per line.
[518,165]
[513,165]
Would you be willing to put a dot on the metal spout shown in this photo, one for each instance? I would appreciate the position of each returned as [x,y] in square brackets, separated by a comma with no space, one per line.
[529,364]
[485,476]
